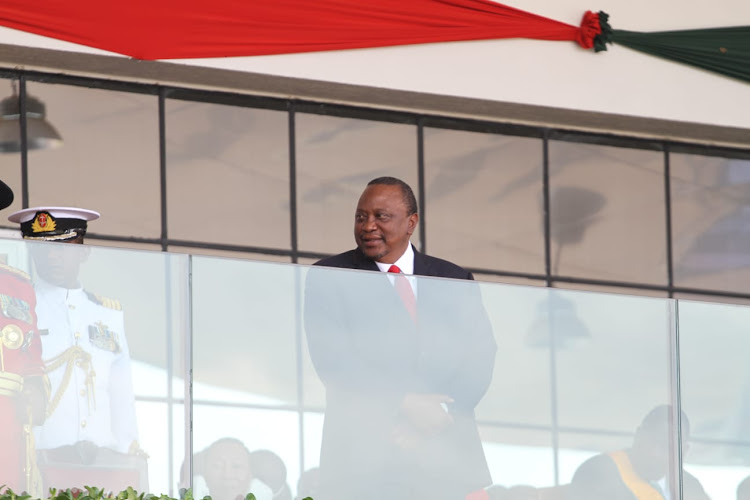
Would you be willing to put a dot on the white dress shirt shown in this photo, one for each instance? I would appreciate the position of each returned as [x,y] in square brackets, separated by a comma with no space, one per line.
[406,264]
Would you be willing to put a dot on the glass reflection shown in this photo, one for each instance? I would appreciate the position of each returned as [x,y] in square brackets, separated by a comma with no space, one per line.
[483,195]
[710,222]
[111,140]
[607,213]
[237,160]
[335,158]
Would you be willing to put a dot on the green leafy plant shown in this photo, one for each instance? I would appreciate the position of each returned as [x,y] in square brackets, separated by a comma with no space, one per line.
[93,493]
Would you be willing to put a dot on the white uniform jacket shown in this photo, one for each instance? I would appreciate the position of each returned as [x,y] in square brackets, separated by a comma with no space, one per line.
[86,353]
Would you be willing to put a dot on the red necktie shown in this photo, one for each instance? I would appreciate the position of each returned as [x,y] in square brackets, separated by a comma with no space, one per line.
[404,290]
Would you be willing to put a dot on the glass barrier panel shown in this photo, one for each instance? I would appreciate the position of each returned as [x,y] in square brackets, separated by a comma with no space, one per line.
[108,138]
[247,337]
[538,391]
[715,389]
[105,327]
[488,386]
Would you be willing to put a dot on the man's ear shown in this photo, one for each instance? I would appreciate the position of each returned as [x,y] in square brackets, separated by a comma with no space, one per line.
[412,222]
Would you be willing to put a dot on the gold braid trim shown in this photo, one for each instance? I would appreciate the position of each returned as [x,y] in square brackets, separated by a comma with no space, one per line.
[31,468]
[74,356]
[11,384]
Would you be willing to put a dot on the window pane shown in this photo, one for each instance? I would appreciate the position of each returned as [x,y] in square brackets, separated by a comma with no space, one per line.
[483,206]
[711,222]
[109,159]
[10,162]
[336,157]
[227,174]
[607,213]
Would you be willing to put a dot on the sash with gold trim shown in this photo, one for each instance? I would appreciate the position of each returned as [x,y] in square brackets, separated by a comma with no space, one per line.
[640,488]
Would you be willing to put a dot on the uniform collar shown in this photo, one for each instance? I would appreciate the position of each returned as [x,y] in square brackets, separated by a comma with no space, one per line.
[45,286]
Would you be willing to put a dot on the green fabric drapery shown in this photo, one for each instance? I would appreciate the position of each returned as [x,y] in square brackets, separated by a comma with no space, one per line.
[721,50]
[171,29]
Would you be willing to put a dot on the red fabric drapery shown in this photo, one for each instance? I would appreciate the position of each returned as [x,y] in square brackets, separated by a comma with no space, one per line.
[172,29]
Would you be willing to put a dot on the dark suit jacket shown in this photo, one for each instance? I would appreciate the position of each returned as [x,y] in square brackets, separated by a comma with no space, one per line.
[369,353]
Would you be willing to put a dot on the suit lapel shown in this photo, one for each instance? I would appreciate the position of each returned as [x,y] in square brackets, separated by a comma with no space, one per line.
[421,266]
[362,262]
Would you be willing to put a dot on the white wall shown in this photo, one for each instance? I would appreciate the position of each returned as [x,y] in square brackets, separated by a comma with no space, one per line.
[558,74]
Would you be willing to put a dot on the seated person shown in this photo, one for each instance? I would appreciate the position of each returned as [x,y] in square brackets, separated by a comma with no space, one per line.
[268,467]
[226,470]
[743,489]
[640,472]
[308,484]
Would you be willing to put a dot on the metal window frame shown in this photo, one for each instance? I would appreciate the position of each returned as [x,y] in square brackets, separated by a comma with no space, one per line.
[293,107]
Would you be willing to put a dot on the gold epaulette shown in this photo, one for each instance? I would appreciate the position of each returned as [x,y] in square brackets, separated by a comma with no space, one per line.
[105,301]
[13,270]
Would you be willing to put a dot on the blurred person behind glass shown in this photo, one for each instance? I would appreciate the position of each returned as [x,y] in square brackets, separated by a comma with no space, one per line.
[225,471]
[641,471]
[90,435]
[743,489]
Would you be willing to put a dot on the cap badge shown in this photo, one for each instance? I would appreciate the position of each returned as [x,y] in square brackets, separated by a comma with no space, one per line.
[43,222]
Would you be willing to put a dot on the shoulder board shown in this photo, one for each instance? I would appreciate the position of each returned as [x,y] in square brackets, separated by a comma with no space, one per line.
[4,268]
[104,301]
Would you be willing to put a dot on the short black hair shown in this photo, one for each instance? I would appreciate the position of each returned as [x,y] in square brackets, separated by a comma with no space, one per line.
[409,199]
[661,416]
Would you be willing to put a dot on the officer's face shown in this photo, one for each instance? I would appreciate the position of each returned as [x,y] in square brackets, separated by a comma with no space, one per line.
[382,226]
[59,263]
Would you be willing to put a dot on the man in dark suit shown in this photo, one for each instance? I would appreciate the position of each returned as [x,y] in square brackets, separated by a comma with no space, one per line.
[405,360]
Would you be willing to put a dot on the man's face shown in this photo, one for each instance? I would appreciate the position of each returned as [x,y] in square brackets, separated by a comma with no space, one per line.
[382,226]
[652,451]
[227,471]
